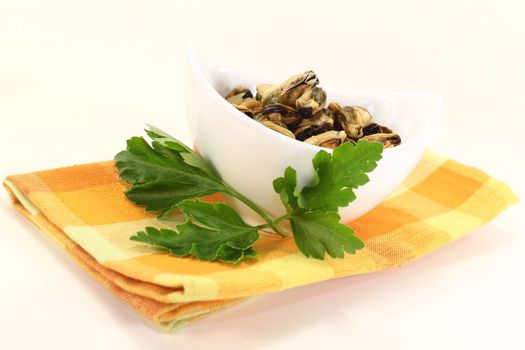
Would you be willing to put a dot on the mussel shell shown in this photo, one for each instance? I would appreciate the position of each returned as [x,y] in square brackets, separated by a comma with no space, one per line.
[235,99]
[320,122]
[308,78]
[292,120]
[277,108]
[283,113]
[388,140]
[371,129]
[252,104]
[354,131]
[313,97]
[279,128]
[290,97]
[337,111]
[352,119]
[385,130]
[288,91]
[308,131]
[328,139]
[260,117]
[305,112]
[267,93]
[249,106]
[239,90]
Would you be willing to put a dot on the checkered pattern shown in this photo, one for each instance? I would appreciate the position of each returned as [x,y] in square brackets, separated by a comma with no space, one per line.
[83,208]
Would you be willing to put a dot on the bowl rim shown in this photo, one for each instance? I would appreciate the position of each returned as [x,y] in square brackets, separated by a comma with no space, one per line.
[196,65]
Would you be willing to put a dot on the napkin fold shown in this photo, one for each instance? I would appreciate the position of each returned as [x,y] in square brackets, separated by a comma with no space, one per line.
[84,210]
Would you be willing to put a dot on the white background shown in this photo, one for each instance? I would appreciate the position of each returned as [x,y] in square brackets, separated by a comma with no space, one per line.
[79,77]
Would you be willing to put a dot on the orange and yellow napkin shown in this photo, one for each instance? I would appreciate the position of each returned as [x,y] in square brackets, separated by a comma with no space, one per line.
[83,208]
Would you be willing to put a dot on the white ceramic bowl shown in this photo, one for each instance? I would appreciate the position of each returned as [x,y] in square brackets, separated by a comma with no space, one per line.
[250,156]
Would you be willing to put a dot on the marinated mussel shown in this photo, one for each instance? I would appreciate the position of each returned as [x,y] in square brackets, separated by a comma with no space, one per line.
[318,123]
[296,108]
[328,139]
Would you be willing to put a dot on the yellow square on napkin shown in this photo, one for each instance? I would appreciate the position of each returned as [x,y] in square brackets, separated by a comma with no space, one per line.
[83,208]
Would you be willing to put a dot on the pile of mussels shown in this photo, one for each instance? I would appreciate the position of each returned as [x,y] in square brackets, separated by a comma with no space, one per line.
[296,108]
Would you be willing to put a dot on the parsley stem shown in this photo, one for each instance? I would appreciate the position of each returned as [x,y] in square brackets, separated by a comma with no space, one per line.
[271,223]
[282,218]
[274,223]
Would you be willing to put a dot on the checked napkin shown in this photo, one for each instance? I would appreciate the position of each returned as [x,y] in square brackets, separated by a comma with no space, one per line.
[84,210]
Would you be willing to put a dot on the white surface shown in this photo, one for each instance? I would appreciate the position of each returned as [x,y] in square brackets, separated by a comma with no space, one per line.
[78,78]
[249,156]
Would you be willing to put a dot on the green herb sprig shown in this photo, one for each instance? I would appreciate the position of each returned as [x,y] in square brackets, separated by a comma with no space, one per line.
[167,176]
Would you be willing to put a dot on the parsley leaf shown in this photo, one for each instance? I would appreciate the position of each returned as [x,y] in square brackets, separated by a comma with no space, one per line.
[337,175]
[167,175]
[212,231]
[187,154]
[312,211]
[286,187]
[318,232]
[160,176]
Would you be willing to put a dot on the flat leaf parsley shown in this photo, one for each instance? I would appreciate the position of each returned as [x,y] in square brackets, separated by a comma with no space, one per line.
[167,176]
